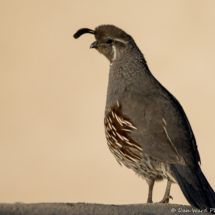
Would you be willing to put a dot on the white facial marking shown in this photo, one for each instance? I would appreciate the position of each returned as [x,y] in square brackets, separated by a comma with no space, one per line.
[121,41]
[114,53]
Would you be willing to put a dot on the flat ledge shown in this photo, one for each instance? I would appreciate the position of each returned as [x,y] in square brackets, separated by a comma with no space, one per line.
[94,209]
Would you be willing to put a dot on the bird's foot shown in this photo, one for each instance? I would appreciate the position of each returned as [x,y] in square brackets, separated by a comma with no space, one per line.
[166,199]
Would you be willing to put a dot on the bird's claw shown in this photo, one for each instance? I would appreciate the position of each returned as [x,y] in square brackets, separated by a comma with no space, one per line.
[166,199]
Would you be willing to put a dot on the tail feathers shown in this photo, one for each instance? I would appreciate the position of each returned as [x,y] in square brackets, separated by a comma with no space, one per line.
[194,186]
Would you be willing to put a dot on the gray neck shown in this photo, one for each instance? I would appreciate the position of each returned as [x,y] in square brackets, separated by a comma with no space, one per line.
[129,73]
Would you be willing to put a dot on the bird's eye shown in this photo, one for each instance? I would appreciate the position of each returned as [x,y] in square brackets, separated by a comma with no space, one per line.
[109,41]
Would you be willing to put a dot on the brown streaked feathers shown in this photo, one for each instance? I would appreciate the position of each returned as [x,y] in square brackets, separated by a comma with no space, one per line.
[120,144]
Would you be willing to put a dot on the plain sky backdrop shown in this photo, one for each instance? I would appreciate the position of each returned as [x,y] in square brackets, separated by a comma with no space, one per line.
[53,92]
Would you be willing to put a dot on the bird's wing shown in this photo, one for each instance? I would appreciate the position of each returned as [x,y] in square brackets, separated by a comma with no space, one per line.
[154,135]
[163,130]
[189,130]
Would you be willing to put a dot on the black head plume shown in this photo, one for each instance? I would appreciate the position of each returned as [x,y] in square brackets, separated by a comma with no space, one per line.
[83,31]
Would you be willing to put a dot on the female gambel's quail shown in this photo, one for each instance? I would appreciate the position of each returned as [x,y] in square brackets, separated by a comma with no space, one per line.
[146,127]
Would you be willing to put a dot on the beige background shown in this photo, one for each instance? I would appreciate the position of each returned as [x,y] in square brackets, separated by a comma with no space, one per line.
[53,91]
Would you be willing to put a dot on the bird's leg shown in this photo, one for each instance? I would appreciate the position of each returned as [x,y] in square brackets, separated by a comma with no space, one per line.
[151,185]
[167,192]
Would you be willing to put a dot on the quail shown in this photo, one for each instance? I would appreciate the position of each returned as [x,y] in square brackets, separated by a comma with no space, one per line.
[146,128]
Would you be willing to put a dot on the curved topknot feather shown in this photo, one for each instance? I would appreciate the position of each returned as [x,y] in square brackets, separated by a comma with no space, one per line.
[83,31]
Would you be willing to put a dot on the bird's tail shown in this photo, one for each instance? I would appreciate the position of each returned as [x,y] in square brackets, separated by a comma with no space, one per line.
[194,186]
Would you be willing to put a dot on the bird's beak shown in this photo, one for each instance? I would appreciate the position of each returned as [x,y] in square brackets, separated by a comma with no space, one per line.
[94,45]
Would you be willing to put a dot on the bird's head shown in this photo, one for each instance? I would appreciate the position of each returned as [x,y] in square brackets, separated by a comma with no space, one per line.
[110,40]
